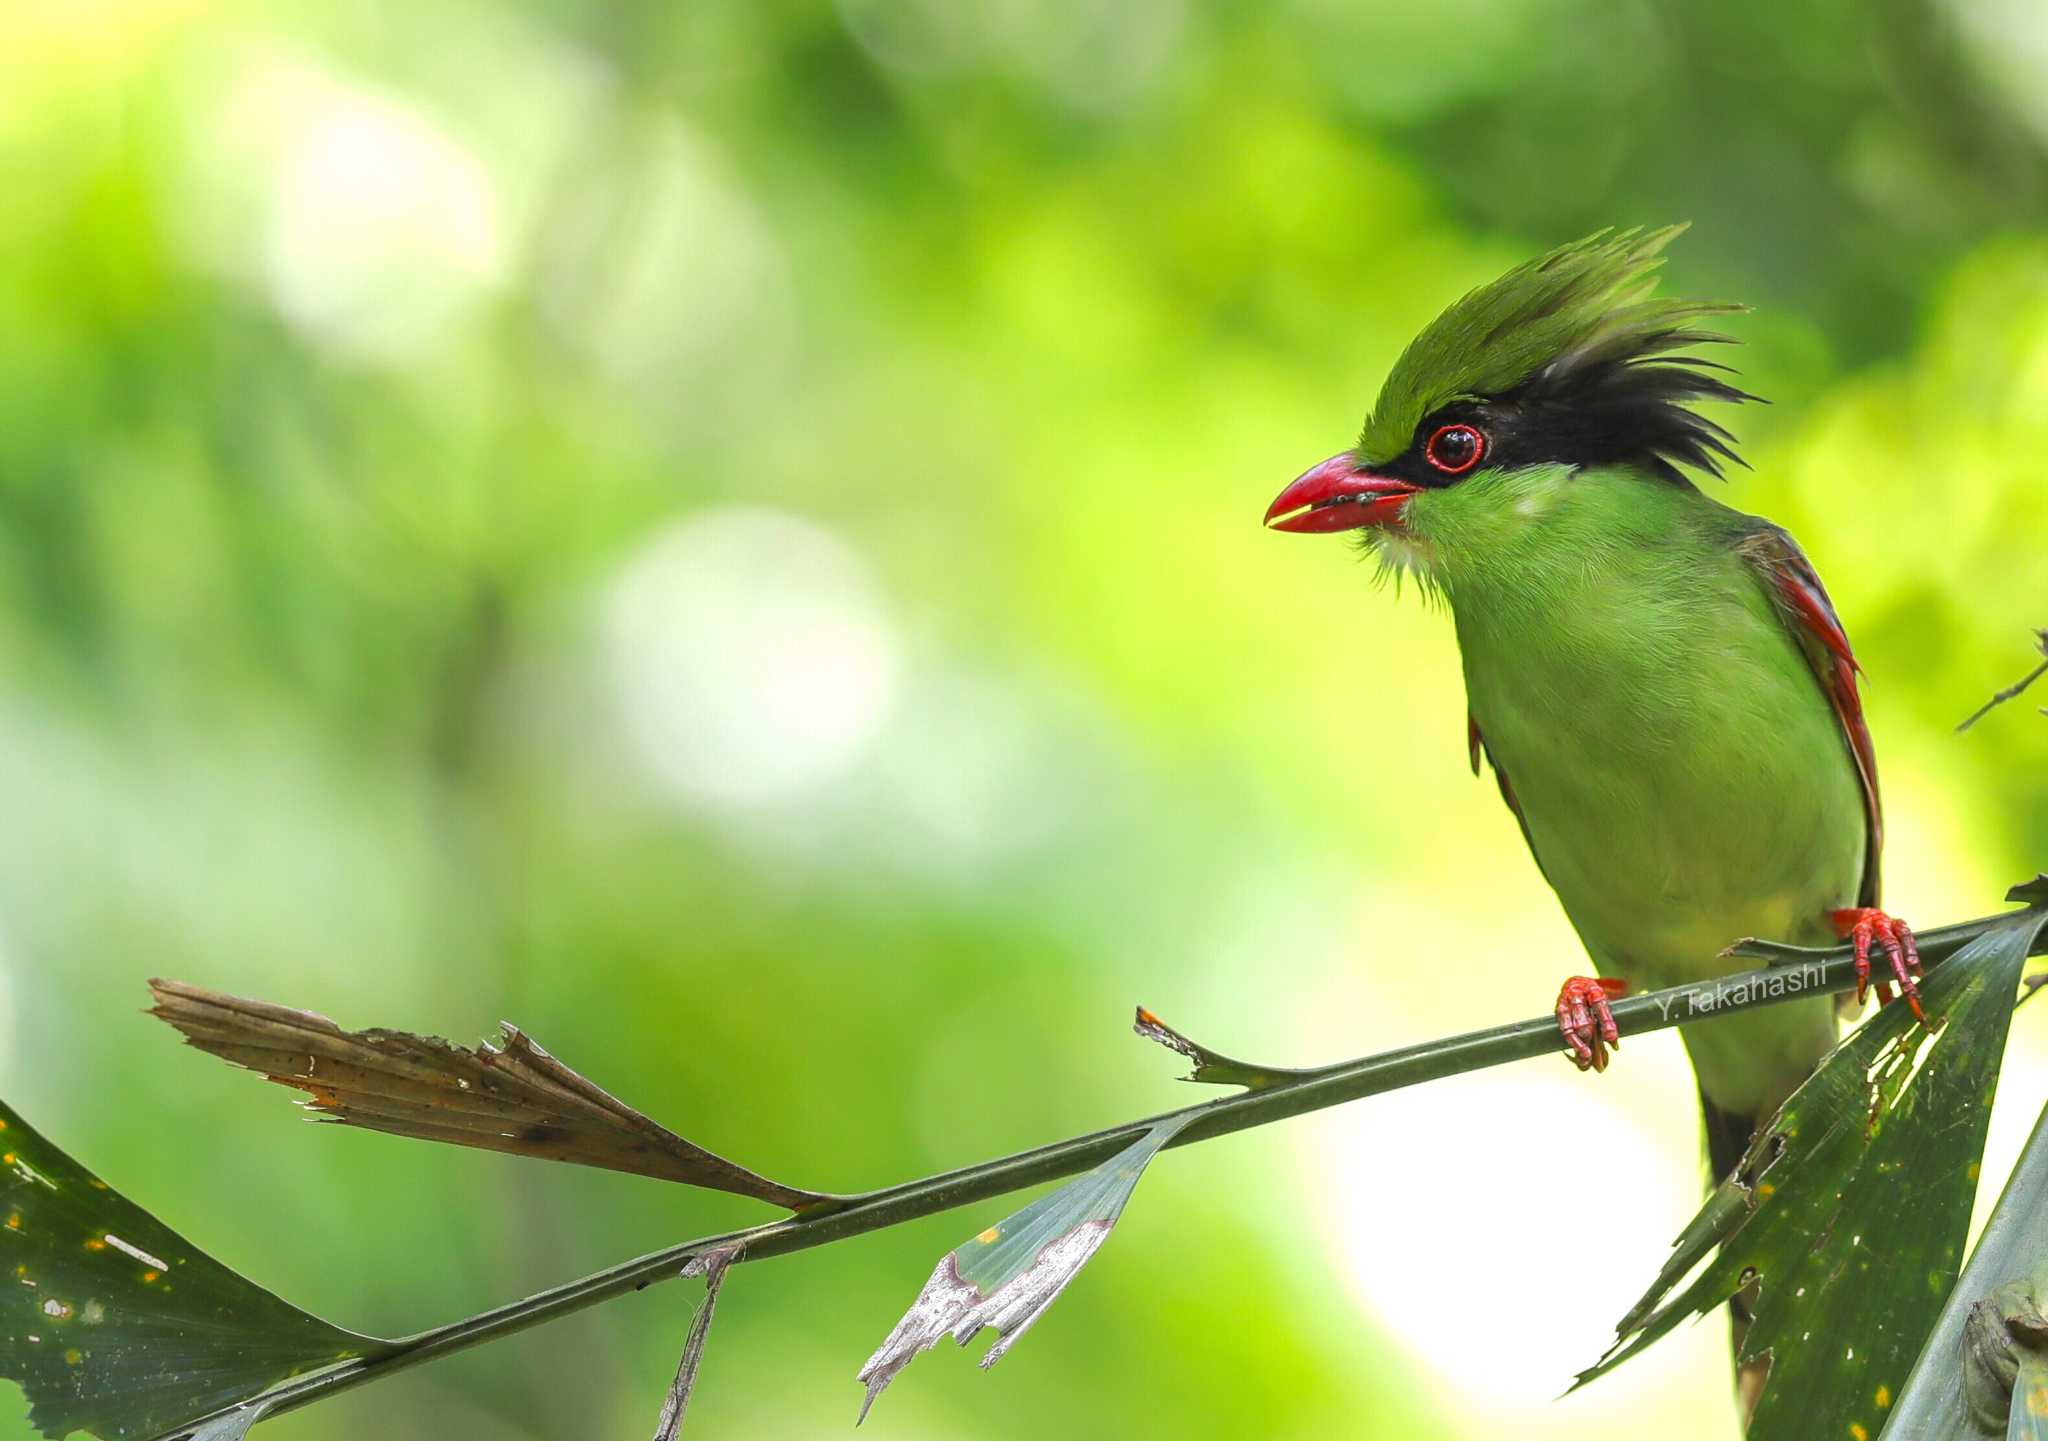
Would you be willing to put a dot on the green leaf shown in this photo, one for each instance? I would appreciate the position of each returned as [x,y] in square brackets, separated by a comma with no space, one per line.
[233,1426]
[113,1323]
[1006,1277]
[1852,1207]
[1979,1358]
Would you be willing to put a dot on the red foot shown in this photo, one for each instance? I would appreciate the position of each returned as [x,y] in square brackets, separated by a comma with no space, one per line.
[1585,1021]
[1864,924]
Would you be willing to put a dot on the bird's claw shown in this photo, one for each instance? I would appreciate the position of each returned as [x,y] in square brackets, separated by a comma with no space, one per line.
[1864,925]
[1585,1021]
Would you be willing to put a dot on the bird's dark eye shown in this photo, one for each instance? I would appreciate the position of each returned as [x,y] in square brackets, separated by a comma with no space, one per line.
[1454,449]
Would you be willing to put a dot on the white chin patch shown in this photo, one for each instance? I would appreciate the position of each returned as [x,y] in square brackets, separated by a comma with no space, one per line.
[1404,555]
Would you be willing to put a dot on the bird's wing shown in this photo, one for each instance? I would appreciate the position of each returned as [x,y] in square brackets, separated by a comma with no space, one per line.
[1476,743]
[1791,582]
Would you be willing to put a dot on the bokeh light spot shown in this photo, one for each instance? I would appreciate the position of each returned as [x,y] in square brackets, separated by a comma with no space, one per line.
[751,657]
[383,230]
[1493,1189]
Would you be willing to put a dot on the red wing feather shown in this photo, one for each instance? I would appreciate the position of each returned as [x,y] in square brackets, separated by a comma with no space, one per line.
[1803,600]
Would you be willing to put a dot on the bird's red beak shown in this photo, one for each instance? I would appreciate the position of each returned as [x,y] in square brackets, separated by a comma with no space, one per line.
[1338,495]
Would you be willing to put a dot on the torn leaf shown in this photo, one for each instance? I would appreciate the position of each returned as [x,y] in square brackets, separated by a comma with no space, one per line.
[113,1323]
[1852,1207]
[511,1097]
[712,1267]
[233,1426]
[1213,1067]
[1006,1277]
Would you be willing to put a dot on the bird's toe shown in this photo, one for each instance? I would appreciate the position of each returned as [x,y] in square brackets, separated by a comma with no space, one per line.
[1585,1020]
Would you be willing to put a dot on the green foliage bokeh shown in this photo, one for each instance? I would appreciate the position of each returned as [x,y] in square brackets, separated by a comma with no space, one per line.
[727,534]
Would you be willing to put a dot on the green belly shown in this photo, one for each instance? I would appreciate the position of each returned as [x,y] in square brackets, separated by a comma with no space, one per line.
[1684,782]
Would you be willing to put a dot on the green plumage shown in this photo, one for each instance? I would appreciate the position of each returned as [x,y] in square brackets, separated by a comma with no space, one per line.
[1669,726]
[1660,682]
[1681,775]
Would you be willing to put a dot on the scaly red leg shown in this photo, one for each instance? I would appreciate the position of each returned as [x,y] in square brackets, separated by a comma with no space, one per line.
[1585,1021]
[1865,924]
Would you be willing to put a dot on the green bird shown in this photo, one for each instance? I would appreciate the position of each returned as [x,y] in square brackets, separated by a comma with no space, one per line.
[1660,682]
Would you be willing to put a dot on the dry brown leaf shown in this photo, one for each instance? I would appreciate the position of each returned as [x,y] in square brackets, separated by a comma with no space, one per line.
[512,1096]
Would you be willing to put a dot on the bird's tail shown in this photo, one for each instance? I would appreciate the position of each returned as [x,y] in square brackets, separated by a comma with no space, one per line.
[1728,1136]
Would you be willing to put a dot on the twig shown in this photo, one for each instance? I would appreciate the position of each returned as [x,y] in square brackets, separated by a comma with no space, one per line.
[711,1266]
[2013,690]
[1800,973]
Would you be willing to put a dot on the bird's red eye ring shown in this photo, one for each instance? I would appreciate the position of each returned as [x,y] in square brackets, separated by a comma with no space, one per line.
[1455,449]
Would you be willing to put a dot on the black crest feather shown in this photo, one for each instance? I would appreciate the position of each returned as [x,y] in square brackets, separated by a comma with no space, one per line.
[1574,359]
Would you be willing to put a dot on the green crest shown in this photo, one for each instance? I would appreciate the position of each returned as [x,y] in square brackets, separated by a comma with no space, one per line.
[1583,306]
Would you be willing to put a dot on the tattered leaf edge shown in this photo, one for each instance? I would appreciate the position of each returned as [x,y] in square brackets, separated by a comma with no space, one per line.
[949,1304]
[512,1097]
[1736,1200]
[1212,1067]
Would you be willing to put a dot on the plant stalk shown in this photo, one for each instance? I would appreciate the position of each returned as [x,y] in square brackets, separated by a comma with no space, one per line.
[1801,974]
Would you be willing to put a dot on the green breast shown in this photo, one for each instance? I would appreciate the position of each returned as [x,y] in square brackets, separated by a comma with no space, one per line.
[1683,777]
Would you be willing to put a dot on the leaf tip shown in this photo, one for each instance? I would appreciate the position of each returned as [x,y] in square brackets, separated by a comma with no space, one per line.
[2030,893]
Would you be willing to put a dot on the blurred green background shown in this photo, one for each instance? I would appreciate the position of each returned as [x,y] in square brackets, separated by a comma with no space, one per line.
[728,534]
